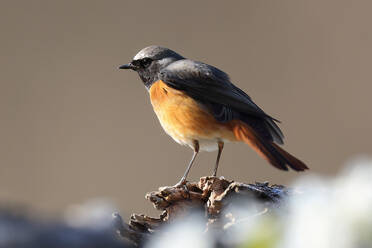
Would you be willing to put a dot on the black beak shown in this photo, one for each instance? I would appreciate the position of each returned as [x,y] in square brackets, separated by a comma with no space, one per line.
[127,66]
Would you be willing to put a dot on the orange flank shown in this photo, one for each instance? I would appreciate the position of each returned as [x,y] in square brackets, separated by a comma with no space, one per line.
[185,120]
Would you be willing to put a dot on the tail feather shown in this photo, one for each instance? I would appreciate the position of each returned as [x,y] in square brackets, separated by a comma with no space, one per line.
[270,151]
[291,160]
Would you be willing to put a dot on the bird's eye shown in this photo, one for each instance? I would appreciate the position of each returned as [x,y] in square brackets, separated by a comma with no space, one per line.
[136,63]
[146,62]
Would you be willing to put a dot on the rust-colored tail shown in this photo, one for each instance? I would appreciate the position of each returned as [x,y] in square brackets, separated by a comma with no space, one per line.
[270,151]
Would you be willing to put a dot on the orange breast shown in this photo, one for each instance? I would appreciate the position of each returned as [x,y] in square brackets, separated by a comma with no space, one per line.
[183,118]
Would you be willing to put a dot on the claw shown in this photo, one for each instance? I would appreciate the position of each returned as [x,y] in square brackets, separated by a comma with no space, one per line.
[181,183]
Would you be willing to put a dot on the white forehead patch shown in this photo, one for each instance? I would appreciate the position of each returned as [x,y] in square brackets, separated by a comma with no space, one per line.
[149,51]
[140,55]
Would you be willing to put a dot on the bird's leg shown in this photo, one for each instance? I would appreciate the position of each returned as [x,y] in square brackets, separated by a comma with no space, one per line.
[220,148]
[196,151]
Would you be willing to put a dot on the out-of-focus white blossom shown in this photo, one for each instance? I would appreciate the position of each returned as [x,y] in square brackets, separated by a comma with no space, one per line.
[332,212]
[184,233]
[95,213]
[247,223]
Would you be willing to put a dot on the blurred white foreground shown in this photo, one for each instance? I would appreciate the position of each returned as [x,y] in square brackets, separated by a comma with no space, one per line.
[324,213]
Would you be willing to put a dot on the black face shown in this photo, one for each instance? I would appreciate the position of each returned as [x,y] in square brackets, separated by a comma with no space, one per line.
[147,70]
[148,67]
[141,64]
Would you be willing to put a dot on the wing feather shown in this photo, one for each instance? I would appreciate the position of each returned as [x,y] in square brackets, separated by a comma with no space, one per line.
[213,88]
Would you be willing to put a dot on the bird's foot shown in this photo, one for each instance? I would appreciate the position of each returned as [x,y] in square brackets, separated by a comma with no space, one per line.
[181,183]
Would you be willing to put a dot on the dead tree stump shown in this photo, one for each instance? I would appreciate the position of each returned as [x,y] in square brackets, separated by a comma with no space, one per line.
[211,195]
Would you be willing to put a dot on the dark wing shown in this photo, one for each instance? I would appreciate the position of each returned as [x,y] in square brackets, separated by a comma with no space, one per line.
[212,88]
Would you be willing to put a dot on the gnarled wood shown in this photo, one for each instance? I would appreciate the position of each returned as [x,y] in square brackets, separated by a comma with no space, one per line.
[210,194]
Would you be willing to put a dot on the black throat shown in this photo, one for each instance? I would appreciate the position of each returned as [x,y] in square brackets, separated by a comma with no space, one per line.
[148,76]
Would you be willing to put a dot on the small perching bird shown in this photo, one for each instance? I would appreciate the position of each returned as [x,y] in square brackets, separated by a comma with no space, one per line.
[198,106]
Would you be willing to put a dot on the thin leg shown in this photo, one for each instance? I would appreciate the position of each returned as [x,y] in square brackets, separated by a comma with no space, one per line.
[220,148]
[196,151]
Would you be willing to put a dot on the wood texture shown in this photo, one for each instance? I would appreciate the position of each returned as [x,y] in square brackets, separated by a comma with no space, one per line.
[210,194]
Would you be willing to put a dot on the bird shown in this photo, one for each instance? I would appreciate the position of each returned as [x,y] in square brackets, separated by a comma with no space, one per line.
[198,106]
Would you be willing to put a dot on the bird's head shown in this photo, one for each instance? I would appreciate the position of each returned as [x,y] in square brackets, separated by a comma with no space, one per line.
[149,61]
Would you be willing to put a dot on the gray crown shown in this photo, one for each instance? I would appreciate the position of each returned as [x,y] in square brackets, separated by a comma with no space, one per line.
[155,53]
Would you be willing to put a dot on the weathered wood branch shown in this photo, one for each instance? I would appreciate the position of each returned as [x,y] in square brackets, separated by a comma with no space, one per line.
[211,195]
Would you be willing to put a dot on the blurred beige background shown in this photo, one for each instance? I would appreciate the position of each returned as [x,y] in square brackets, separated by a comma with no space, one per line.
[74,127]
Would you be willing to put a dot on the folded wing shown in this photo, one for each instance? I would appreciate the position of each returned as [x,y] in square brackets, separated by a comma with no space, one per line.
[212,88]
